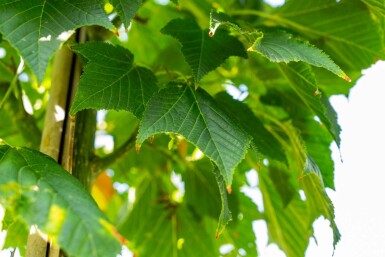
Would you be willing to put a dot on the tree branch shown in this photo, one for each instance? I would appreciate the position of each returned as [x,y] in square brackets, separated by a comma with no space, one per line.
[102,163]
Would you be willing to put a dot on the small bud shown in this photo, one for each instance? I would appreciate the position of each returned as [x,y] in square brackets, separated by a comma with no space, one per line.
[229,189]
[137,148]
[151,139]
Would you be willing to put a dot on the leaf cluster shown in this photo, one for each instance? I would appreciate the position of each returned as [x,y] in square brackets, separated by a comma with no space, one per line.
[221,99]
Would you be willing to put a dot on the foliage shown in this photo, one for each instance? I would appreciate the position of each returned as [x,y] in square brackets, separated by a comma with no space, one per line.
[197,94]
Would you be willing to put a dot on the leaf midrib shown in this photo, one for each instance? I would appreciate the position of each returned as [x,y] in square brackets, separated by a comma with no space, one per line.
[208,129]
[39,36]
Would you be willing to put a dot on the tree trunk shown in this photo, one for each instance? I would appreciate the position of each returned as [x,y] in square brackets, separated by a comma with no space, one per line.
[59,130]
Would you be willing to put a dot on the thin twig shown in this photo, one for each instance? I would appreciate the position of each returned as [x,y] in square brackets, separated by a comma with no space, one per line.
[102,163]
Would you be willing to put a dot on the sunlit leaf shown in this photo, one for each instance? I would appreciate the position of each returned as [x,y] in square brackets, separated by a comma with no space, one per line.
[37,27]
[40,192]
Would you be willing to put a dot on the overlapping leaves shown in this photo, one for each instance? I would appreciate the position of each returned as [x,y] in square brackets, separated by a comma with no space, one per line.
[302,80]
[112,81]
[36,28]
[126,9]
[36,189]
[278,46]
[265,142]
[345,29]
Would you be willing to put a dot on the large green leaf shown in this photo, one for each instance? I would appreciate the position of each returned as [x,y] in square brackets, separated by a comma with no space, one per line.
[280,46]
[112,81]
[302,81]
[202,52]
[195,115]
[344,29]
[126,9]
[36,189]
[36,28]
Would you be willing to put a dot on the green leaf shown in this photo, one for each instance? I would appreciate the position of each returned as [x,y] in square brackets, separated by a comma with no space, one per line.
[281,177]
[36,28]
[318,141]
[126,9]
[288,226]
[40,192]
[200,183]
[377,6]
[195,115]
[265,142]
[344,29]
[112,81]
[218,19]
[302,81]
[171,229]
[225,215]
[317,200]
[202,52]
[17,235]
[280,46]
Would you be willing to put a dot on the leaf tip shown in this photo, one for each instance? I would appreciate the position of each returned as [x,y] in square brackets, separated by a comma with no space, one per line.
[345,77]
[229,189]
[137,149]
[151,139]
